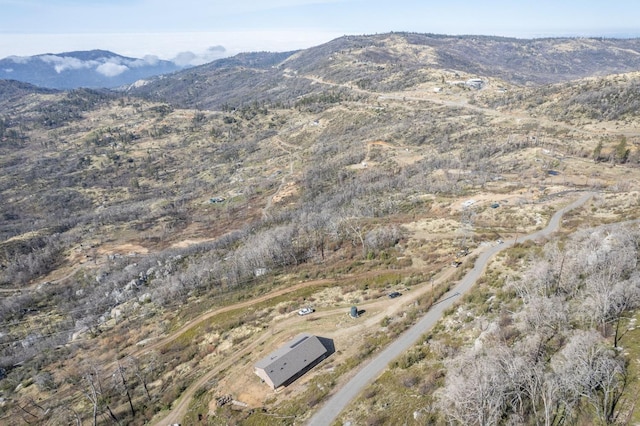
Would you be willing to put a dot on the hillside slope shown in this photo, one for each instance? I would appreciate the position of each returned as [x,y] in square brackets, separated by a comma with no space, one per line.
[390,62]
[149,250]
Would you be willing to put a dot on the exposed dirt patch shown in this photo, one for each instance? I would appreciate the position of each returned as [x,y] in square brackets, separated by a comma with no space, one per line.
[288,189]
[125,249]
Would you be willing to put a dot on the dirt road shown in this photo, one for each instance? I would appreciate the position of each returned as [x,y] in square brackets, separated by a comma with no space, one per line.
[462,102]
[348,391]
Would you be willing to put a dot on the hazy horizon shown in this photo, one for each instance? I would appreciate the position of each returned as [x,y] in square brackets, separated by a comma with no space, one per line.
[167,29]
[196,45]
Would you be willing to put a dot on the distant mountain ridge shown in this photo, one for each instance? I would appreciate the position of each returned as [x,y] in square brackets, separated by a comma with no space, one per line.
[393,61]
[90,69]
[381,62]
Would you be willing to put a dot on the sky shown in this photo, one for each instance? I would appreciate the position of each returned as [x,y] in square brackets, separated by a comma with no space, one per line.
[198,31]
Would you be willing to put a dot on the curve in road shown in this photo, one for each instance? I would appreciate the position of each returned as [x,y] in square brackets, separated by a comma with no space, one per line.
[339,400]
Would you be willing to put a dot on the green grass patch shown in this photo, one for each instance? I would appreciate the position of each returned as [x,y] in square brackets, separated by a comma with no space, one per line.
[198,407]
[630,341]
[226,321]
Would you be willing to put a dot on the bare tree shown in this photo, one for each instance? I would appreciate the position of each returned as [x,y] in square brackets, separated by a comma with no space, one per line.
[383,237]
[587,369]
[65,414]
[140,373]
[544,312]
[121,384]
[475,390]
[355,231]
[92,394]
[546,317]
[552,400]
[315,227]
[608,296]
[96,394]
[30,411]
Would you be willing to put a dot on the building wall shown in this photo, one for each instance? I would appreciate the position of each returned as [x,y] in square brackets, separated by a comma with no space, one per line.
[264,376]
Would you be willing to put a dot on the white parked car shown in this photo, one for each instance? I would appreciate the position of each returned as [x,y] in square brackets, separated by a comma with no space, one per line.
[305,311]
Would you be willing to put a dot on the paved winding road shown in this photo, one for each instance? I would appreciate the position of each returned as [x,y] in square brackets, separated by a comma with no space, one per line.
[369,372]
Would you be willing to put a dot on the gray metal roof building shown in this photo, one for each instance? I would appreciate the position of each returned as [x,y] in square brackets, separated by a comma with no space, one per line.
[291,361]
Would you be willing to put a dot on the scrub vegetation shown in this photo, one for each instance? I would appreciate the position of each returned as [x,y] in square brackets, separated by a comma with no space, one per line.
[155,242]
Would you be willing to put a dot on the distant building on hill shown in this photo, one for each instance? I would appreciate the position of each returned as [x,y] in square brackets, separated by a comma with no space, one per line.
[288,363]
[475,83]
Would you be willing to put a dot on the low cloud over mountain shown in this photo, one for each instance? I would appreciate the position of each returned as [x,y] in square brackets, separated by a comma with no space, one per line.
[109,66]
[94,68]
[185,59]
